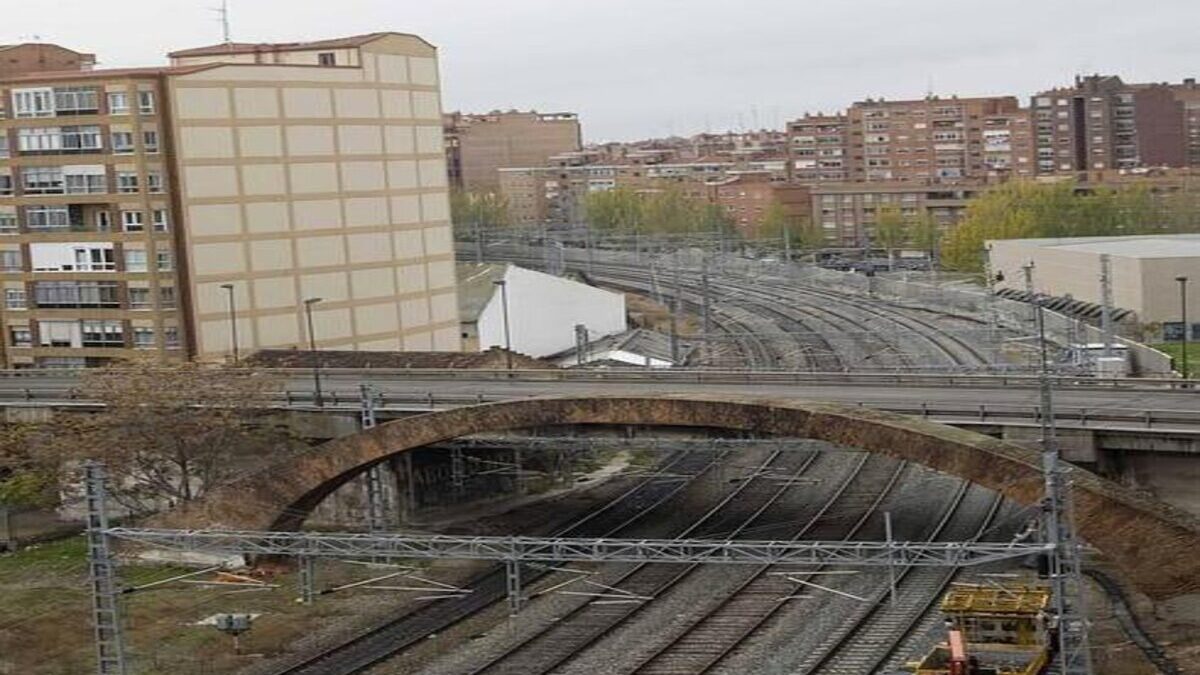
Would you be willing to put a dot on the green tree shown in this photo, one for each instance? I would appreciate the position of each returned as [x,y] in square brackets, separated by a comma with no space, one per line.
[1025,209]
[669,211]
[891,230]
[927,234]
[619,210]
[471,212]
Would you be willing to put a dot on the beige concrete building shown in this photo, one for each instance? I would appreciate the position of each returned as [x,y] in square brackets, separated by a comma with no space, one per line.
[477,146]
[1144,269]
[130,199]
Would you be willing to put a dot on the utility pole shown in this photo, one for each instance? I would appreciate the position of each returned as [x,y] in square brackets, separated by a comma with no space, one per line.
[1066,578]
[376,509]
[106,608]
[581,343]
[1106,300]
[1183,367]
[675,318]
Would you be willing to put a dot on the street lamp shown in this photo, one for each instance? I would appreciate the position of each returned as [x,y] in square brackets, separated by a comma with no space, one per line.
[233,336]
[507,335]
[312,348]
[1183,356]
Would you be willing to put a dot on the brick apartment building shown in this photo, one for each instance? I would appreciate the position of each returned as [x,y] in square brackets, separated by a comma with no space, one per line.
[477,146]
[1104,123]
[136,203]
[41,57]
[846,213]
[747,195]
[930,140]
[818,148]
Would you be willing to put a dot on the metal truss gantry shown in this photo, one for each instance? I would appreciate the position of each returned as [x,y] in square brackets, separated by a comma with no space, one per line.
[569,549]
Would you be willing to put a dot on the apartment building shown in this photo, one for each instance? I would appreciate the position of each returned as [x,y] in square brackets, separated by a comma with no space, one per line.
[937,140]
[846,212]
[1104,123]
[37,57]
[556,194]
[477,146]
[146,212]
[817,148]
[929,140]
[747,196]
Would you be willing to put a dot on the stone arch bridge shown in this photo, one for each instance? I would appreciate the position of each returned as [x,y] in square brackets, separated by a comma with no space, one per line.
[1157,546]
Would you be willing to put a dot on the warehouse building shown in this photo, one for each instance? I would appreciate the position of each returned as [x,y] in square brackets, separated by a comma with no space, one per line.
[542,310]
[1144,273]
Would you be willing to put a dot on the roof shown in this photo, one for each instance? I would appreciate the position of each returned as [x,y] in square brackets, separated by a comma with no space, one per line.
[251,47]
[106,73]
[1142,246]
[89,56]
[475,287]
[639,341]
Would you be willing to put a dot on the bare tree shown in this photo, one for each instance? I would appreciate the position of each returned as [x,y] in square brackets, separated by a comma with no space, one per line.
[170,434]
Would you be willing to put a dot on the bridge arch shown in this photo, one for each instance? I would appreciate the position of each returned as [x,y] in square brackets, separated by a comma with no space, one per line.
[1155,544]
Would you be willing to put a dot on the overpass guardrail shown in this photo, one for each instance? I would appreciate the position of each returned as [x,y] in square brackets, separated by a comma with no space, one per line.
[681,375]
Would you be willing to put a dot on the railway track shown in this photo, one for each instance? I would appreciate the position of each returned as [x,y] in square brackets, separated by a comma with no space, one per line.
[590,621]
[872,632]
[381,642]
[713,635]
[780,324]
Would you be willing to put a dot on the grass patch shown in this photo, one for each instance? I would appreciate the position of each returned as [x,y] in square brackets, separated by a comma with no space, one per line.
[1175,349]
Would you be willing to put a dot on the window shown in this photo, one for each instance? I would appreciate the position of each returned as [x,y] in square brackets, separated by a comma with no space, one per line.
[6,184]
[14,298]
[103,334]
[327,59]
[8,222]
[103,221]
[133,221]
[135,260]
[154,182]
[40,218]
[127,181]
[171,337]
[150,141]
[92,259]
[43,180]
[76,101]
[81,139]
[166,297]
[158,218]
[75,294]
[83,180]
[20,336]
[143,338]
[10,261]
[33,102]
[39,140]
[165,261]
[122,142]
[118,103]
[146,102]
[139,298]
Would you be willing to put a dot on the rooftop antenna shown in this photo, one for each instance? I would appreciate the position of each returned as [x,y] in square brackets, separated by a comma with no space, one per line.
[929,87]
[223,13]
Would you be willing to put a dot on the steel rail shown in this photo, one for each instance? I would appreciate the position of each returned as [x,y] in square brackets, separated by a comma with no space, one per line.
[586,623]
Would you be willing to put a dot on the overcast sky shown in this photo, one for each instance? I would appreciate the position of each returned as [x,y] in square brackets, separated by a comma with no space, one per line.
[640,68]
